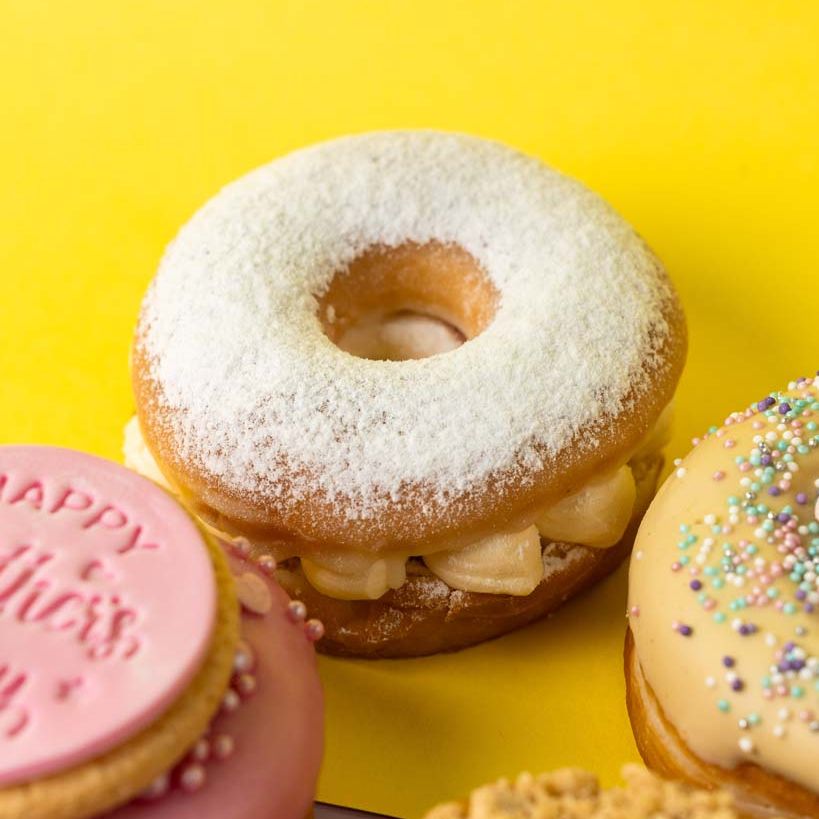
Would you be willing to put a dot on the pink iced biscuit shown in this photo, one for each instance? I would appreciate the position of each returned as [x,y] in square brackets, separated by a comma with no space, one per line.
[107,604]
[262,755]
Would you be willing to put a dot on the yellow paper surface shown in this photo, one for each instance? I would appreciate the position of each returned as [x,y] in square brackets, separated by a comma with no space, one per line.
[698,120]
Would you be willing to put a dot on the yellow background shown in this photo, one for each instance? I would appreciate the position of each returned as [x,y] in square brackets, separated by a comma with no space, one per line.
[698,120]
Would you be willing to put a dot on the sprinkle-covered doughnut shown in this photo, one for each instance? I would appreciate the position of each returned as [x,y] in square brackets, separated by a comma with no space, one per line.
[724,667]
[236,377]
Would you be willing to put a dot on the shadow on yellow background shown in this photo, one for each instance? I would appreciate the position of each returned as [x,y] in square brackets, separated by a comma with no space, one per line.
[698,120]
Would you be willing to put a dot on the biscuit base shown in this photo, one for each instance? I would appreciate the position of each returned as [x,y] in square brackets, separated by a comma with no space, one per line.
[759,794]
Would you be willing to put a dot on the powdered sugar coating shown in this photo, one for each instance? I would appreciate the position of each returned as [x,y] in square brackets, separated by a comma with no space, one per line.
[263,402]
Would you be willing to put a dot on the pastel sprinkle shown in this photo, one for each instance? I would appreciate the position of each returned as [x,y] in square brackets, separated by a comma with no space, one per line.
[758,549]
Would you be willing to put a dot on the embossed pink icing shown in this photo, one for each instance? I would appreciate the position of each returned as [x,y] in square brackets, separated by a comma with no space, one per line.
[107,605]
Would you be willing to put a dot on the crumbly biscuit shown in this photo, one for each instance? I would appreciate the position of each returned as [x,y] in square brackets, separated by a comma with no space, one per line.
[570,793]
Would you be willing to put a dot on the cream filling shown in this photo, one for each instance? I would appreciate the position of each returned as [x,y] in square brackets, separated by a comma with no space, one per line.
[659,436]
[138,457]
[504,563]
[597,515]
[354,575]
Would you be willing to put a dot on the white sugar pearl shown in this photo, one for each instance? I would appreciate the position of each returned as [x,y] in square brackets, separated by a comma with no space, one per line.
[231,701]
[158,788]
[201,751]
[192,778]
[244,659]
[223,746]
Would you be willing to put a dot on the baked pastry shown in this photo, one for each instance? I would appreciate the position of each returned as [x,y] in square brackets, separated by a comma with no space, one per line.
[722,658]
[575,794]
[416,503]
[128,685]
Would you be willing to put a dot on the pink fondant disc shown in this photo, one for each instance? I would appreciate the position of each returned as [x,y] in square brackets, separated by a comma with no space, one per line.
[107,606]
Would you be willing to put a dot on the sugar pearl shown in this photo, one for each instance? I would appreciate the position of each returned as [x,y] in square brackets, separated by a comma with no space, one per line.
[296,611]
[192,778]
[158,788]
[223,746]
[314,629]
[230,701]
[244,659]
[201,751]
[246,685]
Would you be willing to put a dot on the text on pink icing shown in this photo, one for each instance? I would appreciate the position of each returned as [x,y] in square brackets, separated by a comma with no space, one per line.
[102,623]
[89,513]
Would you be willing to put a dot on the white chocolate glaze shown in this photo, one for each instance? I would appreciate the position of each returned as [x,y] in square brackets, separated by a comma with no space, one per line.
[597,515]
[724,590]
[499,564]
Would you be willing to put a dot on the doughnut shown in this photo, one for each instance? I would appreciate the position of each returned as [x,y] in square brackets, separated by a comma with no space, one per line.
[571,793]
[261,755]
[128,684]
[722,653]
[427,374]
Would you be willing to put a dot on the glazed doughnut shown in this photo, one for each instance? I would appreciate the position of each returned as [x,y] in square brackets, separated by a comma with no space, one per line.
[722,658]
[260,756]
[280,390]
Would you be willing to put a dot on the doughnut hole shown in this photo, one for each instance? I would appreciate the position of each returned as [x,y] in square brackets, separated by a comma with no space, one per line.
[407,302]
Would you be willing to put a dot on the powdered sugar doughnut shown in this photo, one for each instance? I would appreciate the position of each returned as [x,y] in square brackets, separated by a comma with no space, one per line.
[258,392]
